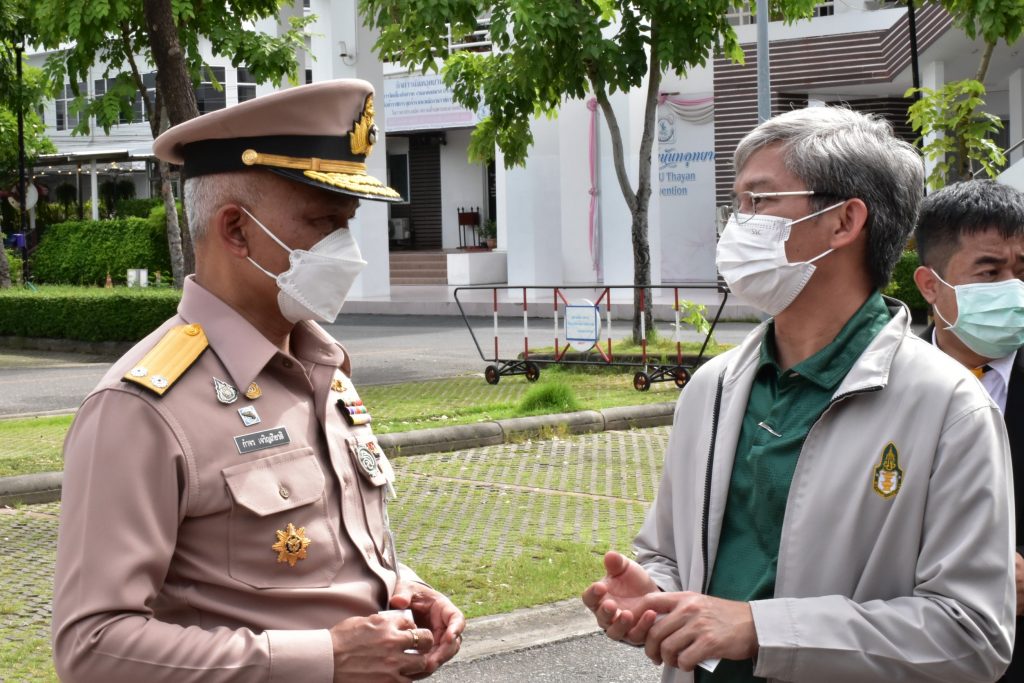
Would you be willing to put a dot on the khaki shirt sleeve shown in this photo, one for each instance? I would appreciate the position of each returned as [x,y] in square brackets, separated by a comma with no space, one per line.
[126,486]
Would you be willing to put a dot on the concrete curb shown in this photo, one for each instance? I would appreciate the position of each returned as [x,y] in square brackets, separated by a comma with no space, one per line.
[525,628]
[45,487]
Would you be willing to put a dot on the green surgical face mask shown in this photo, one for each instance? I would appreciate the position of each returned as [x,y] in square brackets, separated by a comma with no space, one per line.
[990,318]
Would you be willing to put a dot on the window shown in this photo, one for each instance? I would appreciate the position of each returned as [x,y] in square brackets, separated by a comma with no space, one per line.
[398,174]
[246,85]
[103,86]
[309,76]
[208,97]
[66,118]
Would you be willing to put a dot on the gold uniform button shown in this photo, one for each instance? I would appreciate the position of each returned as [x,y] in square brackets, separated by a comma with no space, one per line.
[284,492]
[192,330]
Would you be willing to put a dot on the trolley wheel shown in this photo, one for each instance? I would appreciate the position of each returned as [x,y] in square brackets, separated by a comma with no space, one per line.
[681,376]
[532,372]
[491,374]
[641,381]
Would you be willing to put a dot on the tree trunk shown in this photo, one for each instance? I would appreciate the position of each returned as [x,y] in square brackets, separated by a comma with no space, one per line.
[173,230]
[179,97]
[5,269]
[641,246]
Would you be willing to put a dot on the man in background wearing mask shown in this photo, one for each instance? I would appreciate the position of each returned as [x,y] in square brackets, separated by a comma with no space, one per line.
[836,500]
[970,239]
[225,500]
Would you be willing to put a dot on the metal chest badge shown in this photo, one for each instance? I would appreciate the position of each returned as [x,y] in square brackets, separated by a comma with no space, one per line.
[366,456]
[225,392]
[291,544]
[349,403]
[888,477]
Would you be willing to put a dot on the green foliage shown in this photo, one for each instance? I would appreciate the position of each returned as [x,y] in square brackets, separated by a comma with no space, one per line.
[86,314]
[992,20]
[546,52]
[83,252]
[66,193]
[962,131]
[16,266]
[554,396]
[902,285]
[86,32]
[140,208]
[36,142]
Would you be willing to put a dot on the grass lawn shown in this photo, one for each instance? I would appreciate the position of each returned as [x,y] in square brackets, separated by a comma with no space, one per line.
[34,444]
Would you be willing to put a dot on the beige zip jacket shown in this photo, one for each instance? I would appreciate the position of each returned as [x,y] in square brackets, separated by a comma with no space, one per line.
[890,568]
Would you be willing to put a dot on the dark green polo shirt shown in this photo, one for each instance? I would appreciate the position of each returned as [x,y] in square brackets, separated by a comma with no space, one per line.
[780,411]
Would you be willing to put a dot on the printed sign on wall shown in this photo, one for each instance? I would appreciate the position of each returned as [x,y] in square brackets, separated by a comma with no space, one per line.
[686,180]
[423,102]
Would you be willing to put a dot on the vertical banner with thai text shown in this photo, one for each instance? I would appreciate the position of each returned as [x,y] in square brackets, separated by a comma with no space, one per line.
[686,181]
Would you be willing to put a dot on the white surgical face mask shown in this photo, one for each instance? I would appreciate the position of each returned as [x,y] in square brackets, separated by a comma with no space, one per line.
[315,285]
[751,256]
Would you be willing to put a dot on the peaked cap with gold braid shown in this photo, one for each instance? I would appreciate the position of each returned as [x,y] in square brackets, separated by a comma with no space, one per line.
[319,134]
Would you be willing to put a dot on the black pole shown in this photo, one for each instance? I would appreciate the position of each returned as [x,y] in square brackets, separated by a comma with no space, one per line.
[914,70]
[22,198]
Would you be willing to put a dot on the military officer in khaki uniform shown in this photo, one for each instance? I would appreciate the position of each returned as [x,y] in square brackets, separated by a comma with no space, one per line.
[225,501]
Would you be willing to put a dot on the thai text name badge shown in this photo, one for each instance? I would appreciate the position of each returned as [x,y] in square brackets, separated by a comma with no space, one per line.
[257,441]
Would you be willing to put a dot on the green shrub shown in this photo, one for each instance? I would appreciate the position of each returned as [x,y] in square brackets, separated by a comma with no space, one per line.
[902,285]
[17,269]
[549,397]
[85,313]
[83,252]
[140,208]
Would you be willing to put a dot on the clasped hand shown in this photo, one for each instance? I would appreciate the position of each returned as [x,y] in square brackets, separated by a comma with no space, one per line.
[677,629]
[381,648]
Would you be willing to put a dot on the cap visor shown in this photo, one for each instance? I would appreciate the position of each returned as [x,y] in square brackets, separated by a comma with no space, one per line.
[356,185]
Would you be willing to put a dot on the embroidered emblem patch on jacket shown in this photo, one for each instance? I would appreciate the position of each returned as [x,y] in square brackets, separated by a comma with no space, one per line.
[888,476]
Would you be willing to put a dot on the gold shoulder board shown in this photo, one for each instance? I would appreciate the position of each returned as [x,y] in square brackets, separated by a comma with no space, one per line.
[169,359]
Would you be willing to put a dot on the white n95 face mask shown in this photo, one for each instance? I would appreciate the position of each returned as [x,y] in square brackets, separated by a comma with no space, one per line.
[751,256]
[318,280]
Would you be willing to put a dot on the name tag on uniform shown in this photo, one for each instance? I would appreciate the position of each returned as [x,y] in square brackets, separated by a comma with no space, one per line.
[257,441]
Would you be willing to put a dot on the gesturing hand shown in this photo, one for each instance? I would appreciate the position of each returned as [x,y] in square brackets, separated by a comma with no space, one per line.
[373,649]
[696,627]
[615,599]
[435,612]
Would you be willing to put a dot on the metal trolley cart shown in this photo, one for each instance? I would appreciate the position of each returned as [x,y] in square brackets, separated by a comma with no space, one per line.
[581,329]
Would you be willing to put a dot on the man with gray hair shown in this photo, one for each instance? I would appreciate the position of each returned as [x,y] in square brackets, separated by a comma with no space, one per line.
[836,502]
[225,500]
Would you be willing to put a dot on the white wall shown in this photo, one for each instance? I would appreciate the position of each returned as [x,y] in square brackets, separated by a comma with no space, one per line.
[533,211]
[574,150]
[616,238]
[462,184]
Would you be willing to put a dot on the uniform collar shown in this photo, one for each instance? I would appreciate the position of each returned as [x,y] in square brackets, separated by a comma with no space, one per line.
[242,348]
[1003,366]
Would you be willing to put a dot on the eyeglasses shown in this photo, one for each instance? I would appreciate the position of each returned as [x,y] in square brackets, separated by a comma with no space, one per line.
[745,204]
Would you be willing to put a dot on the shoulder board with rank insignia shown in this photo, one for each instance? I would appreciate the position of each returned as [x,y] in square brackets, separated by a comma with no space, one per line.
[169,359]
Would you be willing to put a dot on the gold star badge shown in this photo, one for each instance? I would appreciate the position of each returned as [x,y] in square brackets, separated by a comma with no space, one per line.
[291,544]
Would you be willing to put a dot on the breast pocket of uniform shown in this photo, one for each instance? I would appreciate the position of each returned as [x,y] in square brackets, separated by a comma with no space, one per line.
[279,534]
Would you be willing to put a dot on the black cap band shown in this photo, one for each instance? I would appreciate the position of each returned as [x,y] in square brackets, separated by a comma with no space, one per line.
[206,157]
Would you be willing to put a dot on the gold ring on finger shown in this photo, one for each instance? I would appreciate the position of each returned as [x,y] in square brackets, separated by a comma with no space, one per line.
[415,639]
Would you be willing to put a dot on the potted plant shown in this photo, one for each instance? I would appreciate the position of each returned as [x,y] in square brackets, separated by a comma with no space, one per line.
[489,232]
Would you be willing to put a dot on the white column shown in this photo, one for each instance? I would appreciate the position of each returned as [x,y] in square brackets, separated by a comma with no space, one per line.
[94,192]
[1016,113]
[933,75]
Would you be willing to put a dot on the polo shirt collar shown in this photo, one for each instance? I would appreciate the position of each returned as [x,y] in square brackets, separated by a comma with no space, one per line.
[830,365]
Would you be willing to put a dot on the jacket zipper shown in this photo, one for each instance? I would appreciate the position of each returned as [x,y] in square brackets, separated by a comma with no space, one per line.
[707,483]
[711,461]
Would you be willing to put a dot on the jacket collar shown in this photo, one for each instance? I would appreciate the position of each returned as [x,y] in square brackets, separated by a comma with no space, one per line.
[871,371]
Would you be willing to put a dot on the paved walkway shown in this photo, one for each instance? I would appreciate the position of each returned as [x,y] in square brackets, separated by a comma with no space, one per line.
[466,513]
